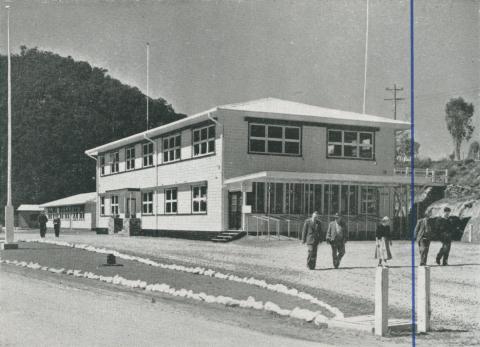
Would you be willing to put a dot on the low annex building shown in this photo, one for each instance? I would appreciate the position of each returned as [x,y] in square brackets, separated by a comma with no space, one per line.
[75,212]
[27,216]
[258,166]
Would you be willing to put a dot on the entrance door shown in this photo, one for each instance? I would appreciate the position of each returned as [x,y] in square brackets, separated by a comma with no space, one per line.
[131,208]
[235,210]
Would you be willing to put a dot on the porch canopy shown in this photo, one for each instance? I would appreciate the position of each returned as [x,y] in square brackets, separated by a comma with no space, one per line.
[312,177]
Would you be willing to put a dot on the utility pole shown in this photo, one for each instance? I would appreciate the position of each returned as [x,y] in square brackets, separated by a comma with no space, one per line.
[148,67]
[394,99]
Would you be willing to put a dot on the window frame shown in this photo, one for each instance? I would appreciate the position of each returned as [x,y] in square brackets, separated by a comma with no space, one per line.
[283,139]
[171,201]
[114,205]
[146,155]
[102,206]
[199,199]
[114,161]
[173,149]
[129,159]
[147,202]
[207,140]
[101,163]
[344,144]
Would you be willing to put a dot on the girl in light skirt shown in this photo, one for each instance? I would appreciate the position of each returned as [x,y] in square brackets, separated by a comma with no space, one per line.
[383,242]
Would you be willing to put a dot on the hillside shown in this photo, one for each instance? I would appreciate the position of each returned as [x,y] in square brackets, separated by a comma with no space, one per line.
[61,107]
[464,177]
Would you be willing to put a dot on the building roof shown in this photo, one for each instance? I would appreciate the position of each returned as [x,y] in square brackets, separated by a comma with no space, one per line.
[30,208]
[271,108]
[78,199]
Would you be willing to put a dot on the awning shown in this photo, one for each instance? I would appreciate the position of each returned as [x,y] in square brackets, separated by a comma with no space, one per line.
[315,177]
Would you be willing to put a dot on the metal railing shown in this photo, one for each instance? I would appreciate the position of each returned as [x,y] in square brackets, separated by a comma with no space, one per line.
[436,176]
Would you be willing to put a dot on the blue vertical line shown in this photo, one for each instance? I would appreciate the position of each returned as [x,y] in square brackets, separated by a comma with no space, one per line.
[412,165]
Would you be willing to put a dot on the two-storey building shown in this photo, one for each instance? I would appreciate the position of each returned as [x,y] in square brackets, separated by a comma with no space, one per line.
[258,166]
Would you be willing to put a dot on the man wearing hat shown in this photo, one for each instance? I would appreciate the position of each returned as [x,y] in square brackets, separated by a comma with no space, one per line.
[423,235]
[445,229]
[312,236]
[337,236]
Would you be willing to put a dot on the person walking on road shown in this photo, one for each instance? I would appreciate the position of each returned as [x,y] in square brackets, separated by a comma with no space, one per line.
[56,226]
[312,236]
[383,242]
[42,222]
[423,235]
[337,236]
[445,230]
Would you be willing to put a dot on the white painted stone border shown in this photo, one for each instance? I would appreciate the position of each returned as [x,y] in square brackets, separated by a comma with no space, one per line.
[279,288]
[297,313]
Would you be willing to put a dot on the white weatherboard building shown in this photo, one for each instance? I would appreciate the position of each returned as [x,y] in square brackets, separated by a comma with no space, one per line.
[75,212]
[262,165]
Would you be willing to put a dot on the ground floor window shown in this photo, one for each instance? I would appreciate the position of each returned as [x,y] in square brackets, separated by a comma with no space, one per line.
[147,203]
[171,200]
[114,205]
[102,205]
[305,198]
[199,199]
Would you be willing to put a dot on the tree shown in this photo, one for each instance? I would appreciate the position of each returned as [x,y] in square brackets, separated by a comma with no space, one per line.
[458,115]
[403,147]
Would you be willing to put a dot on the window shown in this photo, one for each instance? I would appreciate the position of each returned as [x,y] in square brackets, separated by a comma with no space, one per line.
[102,205]
[204,140]
[130,158]
[199,199]
[75,211]
[256,198]
[81,213]
[369,199]
[147,154]
[114,160]
[350,144]
[102,165]
[147,203]
[171,200]
[171,148]
[114,205]
[50,213]
[274,139]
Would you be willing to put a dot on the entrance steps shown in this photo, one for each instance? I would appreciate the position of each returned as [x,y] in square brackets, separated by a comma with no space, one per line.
[228,236]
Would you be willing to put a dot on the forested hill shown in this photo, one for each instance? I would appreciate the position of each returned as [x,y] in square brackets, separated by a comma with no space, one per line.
[60,108]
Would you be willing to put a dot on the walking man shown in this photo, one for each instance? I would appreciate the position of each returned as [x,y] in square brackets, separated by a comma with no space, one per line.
[42,222]
[56,226]
[445,229]
[337,236]
[312,236]
[423,235]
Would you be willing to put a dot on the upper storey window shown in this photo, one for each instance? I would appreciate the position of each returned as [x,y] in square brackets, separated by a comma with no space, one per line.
[204,140]
[171,148]
[147,154]
[114,161]
[274,139]
[350,144]
[130,157]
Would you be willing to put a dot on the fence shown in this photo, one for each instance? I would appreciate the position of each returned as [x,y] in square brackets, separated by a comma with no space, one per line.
[435,176]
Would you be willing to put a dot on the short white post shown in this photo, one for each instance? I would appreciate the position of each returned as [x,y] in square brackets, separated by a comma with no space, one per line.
[381,301]
[423,299]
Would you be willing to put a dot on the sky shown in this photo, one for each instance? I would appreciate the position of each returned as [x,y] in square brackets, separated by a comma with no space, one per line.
[209,53]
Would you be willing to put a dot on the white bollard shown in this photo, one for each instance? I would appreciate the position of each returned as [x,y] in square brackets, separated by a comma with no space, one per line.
[381,301]
[423,299]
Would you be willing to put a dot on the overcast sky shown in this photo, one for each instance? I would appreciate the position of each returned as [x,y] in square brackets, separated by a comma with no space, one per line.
[208,53]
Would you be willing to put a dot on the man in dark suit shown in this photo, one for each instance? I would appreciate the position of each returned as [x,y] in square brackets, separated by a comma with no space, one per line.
[337,236]
[423,235]
[42,222]
[312,236]
[445,230]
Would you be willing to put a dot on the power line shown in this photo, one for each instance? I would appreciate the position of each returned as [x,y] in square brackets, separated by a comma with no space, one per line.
[394,99]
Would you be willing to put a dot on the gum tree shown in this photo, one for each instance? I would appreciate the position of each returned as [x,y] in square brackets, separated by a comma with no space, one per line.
[458,115]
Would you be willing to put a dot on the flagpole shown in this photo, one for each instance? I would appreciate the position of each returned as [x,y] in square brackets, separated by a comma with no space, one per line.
[9,218]
[148,63]
[366,64]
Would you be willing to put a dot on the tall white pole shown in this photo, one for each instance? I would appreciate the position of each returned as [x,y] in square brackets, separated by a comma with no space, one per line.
[366,64]
[148,62]
[9,218]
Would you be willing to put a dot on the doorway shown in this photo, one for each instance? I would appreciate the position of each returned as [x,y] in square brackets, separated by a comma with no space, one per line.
[234,210]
